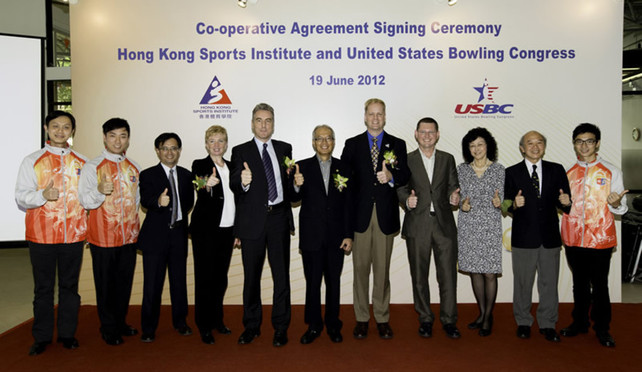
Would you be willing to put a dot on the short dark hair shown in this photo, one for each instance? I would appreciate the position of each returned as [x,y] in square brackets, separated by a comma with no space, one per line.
[587,128]
[164,137]
[428,120]
[473,134]
[56,114]
[115,123]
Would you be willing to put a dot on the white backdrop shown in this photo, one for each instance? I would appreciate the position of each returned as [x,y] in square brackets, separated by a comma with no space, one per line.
[548,65]
[20,103]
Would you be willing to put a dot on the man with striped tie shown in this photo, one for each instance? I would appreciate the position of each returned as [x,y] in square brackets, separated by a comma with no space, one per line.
[263,221]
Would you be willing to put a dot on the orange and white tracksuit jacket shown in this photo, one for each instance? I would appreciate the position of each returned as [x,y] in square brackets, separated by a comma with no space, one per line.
[62,221]
[590,224]
[113,219]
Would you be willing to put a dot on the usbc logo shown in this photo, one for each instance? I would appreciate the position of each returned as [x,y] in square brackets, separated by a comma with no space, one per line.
[215,94]
[488,107]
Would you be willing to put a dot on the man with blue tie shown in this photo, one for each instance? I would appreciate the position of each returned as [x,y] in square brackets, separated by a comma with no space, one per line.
[263,223]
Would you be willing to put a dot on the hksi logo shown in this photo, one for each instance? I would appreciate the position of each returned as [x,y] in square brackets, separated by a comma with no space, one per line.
[215,94]
[485,94]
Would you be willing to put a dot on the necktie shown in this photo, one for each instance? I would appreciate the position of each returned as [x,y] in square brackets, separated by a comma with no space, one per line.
[269,174]
[535,179]
[374,154]
[172,185]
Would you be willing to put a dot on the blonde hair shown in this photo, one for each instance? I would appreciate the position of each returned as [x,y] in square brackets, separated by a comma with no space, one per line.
[215,129]
[374,100]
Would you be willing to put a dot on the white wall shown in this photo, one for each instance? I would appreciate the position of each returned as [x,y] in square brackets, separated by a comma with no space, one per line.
[552,95]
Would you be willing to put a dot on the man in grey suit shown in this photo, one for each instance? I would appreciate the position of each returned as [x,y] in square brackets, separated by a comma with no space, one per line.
[429,225]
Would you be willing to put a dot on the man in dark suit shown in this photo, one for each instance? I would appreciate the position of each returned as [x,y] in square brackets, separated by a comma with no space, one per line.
[429,225]
[533,192]
[321,184]
[378,166]
[263,220]
[167,193]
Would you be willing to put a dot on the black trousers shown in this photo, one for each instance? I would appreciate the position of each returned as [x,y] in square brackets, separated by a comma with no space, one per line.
[212,255]
[113,275]
[325,264]
[590,269]
[171,257]
[275,239]
[45,259]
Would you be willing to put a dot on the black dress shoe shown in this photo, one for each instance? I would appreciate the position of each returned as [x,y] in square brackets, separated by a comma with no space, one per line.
[475,325]
[486,331]
[68,342]
[207,338]
[184,330]
[573,330]
[129,331]
[309,336]
[360,330]
[606,339]
[550,334]
[385,331]
[38,348]
[452,331]
[425,330]
[280,338]
[523,331]
[335,335]
[148,337]
[249,335]
[113,340]
[222,329]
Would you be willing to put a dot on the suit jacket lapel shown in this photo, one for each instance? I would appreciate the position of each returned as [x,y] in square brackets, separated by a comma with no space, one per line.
[418,163]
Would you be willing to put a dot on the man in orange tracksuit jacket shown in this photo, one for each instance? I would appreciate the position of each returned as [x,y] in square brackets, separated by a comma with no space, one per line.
[588,232]
[56,226]
[108,188]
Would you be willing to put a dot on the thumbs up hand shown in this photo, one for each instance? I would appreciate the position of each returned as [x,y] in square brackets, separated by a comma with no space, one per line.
[455,197]
[105,186]
[163,199]
[497,201]
[212,180]
[298,177]
[614,198]
[412,200]
[465,205]
[246,175]
[49,192]
[519,200]
[384,175]
[565,199]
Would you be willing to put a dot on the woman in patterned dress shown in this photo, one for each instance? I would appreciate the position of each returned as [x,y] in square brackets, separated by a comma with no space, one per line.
[481,180]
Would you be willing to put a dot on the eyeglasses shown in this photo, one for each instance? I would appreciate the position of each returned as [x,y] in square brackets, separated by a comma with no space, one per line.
[167,149]
[324,139]
[589,142]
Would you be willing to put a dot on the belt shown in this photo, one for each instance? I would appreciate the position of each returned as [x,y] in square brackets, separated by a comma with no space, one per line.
[433,214]
[275,207]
